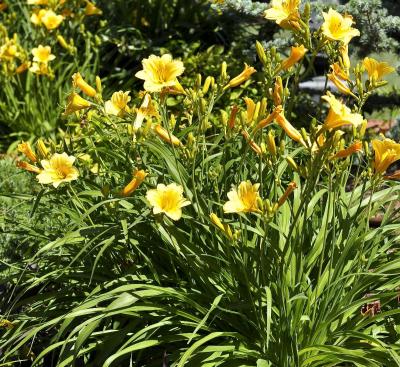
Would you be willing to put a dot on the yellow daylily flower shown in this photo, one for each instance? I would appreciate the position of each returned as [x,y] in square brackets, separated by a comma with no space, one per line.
[242,77]
[138,178]
[36,17]
[42,54]
[296,54]
[76,103]
[9,50]
[244,199]
[168,200]
[352,149]
[146,110]
[79,82]
[284,12]
[290,130]
[118,104]
[337,27]
[376,70]
[339,114]
[387,152]
[160,72]
[338,77]
[58,169]
[51,20]
[25,148]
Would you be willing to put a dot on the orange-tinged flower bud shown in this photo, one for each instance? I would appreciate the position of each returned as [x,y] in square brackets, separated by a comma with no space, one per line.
[26,149]
[242,77]
[290,130]
[166,136]
[78,82]
[138,178]
[292,186]
[76,103]
[22,68]
[296,54]
[28,167]
[354,148]
[3,6]
[252,143]
[91,9]
[270,118]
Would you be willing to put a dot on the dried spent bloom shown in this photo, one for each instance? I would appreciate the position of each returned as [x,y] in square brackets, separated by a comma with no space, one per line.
[352,149]
[25,148]
[296,54]
[168,200]
[160,72]
[79,82]
[118,104]
[138,178]
[42,54]
[76,103]
[58,169]
[244,199]
[51,20]
[376,70]
[284,12]
[245,75]
[337,27]
[387,152]
[339,114]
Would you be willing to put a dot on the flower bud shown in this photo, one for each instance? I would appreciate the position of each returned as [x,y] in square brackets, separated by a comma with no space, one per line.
[26,149]
[292,163]
[261,53]
[166,136]
[271,146]
[138,178]
[41,147]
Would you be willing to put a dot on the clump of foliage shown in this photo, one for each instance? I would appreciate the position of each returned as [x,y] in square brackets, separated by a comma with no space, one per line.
[199,229]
